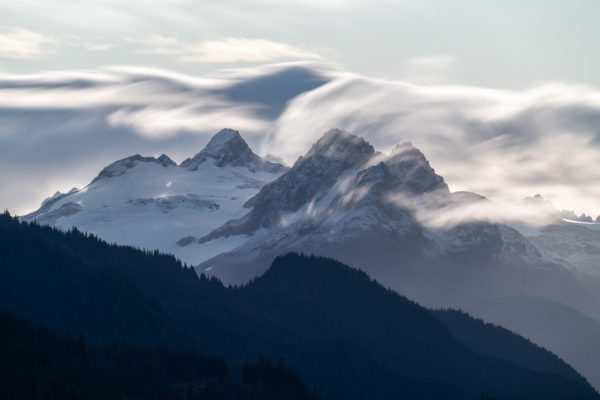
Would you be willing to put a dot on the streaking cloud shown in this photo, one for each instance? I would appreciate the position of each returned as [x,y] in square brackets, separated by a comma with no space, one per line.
[503,144]
[59,129]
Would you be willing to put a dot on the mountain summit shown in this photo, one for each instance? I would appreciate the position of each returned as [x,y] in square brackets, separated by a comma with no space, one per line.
[387,213]
[153,203]
[120,167]
[339,145]
[339,171]
[409,163]
[223,212]
[228,148]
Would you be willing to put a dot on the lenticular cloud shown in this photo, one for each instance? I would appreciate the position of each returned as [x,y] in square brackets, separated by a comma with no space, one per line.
[59,129]
[503,144]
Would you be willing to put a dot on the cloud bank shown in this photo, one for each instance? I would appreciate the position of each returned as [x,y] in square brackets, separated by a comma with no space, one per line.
[503,144]
[59,129]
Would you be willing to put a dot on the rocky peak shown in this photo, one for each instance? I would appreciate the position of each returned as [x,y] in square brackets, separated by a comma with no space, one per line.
[537,200]
[165,161]
[334,155]
[336,144]
[373,174]
[311,176]
[222,144]
[410,166]
[228,148]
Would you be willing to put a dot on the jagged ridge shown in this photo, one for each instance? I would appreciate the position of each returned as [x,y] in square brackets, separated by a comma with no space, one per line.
[120,167]
[227,148]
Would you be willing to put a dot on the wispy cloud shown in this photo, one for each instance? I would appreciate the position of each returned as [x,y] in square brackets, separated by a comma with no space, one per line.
[19,43]
[58,129]
[504,144]
[227,50]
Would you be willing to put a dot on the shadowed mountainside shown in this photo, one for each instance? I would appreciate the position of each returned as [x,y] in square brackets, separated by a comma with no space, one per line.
[342,332]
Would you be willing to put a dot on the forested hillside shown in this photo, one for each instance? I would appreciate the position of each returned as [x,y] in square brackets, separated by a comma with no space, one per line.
[342,332]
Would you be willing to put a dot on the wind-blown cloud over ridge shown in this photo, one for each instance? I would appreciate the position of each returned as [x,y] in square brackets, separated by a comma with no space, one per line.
[503,144]
[59,129]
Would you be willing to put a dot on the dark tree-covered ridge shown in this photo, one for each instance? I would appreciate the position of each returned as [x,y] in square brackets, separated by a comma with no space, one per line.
[36,363]
[342,332]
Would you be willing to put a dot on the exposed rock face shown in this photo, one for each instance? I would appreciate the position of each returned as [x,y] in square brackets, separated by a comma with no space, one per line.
[347,201]
[227,148]
[373,211]
[311,176]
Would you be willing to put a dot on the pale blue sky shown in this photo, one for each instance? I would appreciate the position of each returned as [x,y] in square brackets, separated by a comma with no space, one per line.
[512,44]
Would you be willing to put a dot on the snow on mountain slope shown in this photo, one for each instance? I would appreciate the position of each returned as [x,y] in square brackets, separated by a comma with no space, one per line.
[373,211]
[311,175]
[572,244]
[567,239]
[153,203]
[575,246]
[345,200]
[230,212]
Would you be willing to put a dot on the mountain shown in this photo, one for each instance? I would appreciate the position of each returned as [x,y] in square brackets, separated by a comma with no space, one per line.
[331,156]
[567,332]
[493,341]
[154,203]
[346,201]
[574,245]
[228,149]
[569,240]
[393,216]
[344,333]
[230,213]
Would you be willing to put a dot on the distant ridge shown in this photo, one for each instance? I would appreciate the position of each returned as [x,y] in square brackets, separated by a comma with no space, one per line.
[342,332]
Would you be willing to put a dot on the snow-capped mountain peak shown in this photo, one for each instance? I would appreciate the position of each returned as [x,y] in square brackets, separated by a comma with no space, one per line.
[154,203]
[120,167]
[312,175]
[228,148]
[340,171]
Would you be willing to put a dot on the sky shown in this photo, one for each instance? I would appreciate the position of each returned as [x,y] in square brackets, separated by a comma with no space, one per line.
[503,97]
[501,44]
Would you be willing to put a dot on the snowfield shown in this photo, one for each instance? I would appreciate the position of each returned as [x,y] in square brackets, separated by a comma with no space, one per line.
[154,204]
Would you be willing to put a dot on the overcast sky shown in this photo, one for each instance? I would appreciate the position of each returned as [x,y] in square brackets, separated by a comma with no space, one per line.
[514,43]
[502,96]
